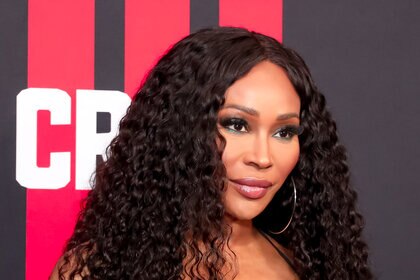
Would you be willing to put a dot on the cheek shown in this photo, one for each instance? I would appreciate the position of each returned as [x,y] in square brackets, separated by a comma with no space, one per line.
[286,157]
[233,151]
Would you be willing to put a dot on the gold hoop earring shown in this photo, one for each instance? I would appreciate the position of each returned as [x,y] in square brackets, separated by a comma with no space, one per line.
[293,211]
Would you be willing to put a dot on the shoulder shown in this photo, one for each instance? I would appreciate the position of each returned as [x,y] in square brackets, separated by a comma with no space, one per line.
[55,274]
[65,266]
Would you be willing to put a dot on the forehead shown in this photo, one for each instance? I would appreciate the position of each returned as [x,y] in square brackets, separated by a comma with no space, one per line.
[266,86]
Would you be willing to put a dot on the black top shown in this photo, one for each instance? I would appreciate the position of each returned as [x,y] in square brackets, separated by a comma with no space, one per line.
[282,254]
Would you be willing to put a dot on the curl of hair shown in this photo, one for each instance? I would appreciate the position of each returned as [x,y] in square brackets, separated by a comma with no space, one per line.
[156,211]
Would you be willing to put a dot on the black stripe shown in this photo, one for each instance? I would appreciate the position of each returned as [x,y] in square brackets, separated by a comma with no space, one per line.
[13,78]
[109,45]
[109,50]
[203,13]
[365,57]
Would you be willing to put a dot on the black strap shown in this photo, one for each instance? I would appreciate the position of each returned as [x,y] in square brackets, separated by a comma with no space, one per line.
[285,257]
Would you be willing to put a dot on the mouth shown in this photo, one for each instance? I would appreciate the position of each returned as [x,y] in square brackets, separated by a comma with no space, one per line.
[251,188]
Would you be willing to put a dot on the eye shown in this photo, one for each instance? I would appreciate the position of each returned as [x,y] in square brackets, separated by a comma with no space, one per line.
[235,125]
[287,132]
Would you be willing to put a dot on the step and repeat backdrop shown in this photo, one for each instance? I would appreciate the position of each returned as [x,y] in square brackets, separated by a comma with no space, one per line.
[69,68]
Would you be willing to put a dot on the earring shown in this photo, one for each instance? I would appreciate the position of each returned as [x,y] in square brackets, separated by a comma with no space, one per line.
[293,212]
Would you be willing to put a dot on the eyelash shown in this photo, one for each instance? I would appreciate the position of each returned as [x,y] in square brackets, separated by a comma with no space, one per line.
[291,130]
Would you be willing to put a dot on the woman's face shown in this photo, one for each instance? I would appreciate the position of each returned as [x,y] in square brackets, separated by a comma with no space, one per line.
[259,120]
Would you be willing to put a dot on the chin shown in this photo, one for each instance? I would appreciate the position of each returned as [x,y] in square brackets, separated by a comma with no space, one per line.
[245,209]
[242,214]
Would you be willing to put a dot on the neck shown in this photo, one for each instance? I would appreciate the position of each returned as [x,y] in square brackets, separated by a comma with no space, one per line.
[243,231]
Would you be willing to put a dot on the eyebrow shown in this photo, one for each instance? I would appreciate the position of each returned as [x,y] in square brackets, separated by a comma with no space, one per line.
[253,112]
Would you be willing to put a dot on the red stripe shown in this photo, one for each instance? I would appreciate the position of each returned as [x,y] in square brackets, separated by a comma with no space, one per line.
[261,16]
[60,55]
[150,28]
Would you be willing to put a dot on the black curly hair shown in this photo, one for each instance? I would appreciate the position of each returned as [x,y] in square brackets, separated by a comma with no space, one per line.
[156,211]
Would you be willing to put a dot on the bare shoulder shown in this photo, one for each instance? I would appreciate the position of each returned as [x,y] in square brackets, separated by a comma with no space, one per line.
[66,269]
[55,274]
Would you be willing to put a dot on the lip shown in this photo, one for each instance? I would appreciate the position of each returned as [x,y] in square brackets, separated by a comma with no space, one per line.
[253,182]
[251,188]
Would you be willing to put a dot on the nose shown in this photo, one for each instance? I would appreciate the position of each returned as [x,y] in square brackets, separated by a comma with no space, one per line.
[259,154]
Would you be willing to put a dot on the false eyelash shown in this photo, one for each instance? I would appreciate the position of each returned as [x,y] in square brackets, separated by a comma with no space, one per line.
[294,129]
[230,121]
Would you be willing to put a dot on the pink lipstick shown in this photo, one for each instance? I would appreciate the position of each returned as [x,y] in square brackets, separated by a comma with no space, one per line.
[251,188]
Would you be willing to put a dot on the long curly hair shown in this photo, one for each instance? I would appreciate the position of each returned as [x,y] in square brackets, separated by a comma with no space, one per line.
[155,210]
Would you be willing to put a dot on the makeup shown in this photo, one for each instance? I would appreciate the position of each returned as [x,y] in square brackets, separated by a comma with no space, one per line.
[251,188]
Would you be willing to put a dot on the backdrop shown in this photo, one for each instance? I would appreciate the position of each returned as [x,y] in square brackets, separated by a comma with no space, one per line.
[68,69]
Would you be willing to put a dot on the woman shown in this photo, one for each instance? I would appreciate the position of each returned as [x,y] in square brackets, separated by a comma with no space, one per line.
[227,165]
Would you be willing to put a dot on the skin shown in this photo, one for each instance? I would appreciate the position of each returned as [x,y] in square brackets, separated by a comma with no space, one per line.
[258,151]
